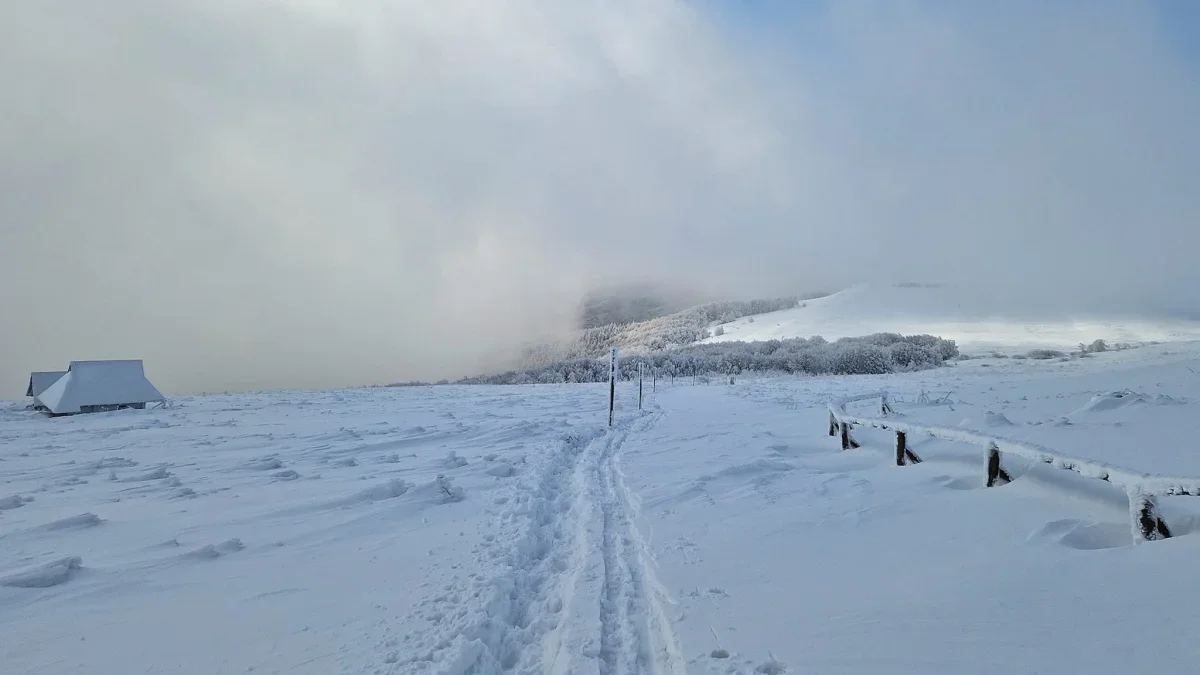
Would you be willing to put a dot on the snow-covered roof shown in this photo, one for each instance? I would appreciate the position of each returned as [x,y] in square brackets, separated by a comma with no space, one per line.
[89,383]
[41,381]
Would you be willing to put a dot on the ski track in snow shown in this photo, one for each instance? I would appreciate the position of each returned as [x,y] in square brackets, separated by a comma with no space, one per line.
[636,634]
[577,592]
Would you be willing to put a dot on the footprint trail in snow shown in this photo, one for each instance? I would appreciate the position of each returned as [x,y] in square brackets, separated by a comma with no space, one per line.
[577,592]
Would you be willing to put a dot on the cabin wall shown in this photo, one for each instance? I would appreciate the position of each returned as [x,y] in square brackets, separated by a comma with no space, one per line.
[111,407]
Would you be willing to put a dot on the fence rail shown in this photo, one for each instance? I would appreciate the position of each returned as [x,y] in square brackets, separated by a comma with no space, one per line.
[1143,489]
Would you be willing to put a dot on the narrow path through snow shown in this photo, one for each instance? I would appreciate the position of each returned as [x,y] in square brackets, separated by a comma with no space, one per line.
[578,592]
[636,636]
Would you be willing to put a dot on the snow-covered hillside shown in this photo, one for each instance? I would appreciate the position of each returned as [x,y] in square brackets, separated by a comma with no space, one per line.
[489,530]
[976,323]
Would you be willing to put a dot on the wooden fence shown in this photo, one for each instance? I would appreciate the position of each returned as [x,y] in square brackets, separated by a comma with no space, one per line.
[1142,489]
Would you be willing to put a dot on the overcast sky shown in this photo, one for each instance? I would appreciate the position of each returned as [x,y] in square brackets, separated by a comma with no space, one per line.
[271,193]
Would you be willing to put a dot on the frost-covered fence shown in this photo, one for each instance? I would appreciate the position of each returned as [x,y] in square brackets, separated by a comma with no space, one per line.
[1143,489]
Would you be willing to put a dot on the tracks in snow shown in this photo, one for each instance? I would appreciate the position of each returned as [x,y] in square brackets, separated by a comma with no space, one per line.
[635,633]
[578,593]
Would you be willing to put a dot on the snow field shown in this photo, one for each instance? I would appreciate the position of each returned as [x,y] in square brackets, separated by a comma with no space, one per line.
[781,550]
[334,564]
[484,530]
[977,323]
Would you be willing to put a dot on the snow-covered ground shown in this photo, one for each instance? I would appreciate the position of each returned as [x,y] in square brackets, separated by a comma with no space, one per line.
[457,530]
[947,312]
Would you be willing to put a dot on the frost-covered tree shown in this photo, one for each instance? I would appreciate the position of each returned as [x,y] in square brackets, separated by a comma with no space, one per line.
[814,356]
[860,358]
[910,356]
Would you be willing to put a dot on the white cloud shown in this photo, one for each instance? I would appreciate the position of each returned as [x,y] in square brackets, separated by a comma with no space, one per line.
[276,193]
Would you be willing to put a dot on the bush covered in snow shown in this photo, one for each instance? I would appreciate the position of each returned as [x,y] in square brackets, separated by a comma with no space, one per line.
[872,354]
[862,359]
[912,356]
[1044,354]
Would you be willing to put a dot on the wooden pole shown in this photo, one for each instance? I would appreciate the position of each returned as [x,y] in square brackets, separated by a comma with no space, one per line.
[1148,525]
[612,386]
[901,448]
[641,368]
[845,436]
[995,472]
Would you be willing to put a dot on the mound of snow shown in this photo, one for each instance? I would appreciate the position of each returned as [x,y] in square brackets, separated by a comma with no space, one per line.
[454,461]
[1084,536]
[995,419]
[264,464]
[501,470]
[14,502]
[389,490]
[755,468]
[440,491]
[208,552]
[157,474]
[111,463]
[1112,401]
[990,419]
[80,521]
[46,576]
[214,551]
[1116,400]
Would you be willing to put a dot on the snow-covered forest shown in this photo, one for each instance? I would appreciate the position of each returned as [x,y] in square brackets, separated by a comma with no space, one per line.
[869,355]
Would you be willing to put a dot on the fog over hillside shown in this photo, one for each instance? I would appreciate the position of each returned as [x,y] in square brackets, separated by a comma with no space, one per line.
[301,194]
[632,303]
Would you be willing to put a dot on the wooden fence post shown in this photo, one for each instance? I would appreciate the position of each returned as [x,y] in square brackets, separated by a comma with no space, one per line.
[641,372]
[848,442]
[1148,525]
[833,424]
[995,472]
[612,386]
[904,455]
